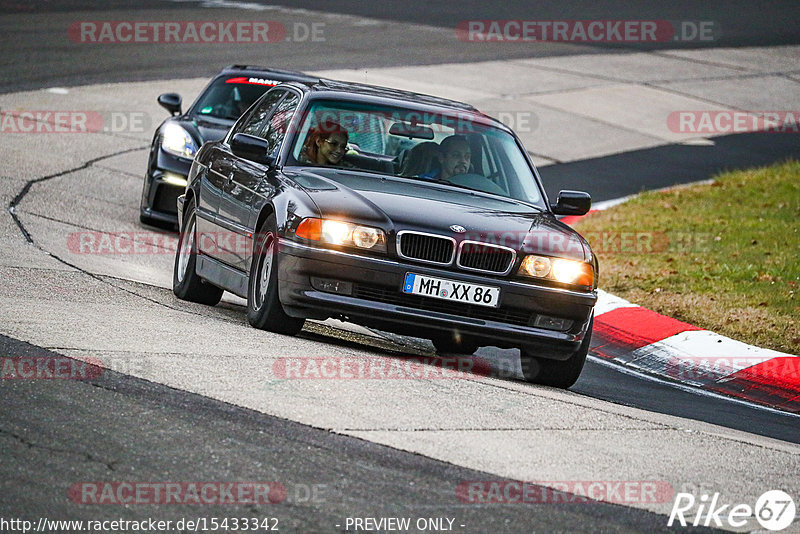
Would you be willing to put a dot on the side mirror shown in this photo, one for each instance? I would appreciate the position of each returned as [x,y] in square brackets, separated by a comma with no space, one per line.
[171,102]
[252,148]
[572,203]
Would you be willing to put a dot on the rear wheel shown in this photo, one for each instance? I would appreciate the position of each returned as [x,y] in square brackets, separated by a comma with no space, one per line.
[555,373]
[454,343]
[185,283]
[264,309]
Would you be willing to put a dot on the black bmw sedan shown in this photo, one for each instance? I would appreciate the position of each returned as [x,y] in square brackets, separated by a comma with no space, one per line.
[178,138]
[395,210]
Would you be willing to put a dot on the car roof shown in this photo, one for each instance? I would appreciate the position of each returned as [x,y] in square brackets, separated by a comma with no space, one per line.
[266,72]
[388,92]
[388,95]
[307,82]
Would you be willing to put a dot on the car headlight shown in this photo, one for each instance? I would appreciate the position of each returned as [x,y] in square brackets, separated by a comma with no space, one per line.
[176,140]
[342,233]
[561,270]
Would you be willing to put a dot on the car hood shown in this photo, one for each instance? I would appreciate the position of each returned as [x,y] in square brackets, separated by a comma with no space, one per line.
[397,204]
[203,130]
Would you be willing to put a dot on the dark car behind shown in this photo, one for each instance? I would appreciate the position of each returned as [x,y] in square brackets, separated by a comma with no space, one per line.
[178,138]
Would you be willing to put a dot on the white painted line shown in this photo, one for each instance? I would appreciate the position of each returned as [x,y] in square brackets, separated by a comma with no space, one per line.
[699,344]
[699,357]
[606,204]
[607,302]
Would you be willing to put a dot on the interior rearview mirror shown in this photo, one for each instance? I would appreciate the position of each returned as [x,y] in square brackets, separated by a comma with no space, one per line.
[412,131]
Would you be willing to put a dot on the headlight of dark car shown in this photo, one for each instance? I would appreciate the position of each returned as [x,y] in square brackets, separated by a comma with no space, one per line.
[177,141]
[561,270]
[342,233]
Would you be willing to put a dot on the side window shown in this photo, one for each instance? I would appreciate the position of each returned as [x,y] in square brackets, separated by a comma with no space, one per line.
[278,124]
[256,124]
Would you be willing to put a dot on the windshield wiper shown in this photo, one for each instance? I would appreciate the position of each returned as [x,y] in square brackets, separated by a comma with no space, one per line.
[468,188]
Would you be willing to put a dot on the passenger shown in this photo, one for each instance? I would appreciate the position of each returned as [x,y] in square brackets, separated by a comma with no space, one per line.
[454,156]
[326,144]
[421,159]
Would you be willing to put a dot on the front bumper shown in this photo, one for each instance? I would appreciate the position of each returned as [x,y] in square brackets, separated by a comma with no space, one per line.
[376,298]
[160,192]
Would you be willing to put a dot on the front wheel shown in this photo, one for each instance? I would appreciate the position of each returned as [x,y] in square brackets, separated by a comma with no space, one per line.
[264,309]
[185,283]
[555,373]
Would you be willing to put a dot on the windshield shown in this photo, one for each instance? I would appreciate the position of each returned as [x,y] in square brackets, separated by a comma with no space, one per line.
[461,149]
[229,97]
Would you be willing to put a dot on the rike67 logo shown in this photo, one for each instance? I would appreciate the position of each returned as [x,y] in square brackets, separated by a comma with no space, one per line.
[774,510]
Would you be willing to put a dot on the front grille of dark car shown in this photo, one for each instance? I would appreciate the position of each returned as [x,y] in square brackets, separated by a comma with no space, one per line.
[425,247]
[396,297]
[477,256]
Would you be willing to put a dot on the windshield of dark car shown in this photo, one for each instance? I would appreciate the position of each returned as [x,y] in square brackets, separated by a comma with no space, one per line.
[407,143]
[229,97]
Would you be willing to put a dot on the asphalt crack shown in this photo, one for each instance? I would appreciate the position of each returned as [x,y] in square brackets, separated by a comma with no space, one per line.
[30,183]
[85,455]
[12,206]
[130,235]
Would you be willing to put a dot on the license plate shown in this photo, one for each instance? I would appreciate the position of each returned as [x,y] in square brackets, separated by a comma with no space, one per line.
[440,288]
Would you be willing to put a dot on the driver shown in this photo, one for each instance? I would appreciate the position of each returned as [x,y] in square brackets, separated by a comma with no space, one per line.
[454,156]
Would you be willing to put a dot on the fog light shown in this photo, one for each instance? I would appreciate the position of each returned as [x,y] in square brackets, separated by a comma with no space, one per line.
[174,179]
[552,323]
[329,285]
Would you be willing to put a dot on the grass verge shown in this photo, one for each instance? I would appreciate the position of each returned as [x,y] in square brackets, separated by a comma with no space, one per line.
[724,256]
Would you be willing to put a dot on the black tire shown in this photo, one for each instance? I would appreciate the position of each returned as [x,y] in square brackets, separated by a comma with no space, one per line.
[555,373]
[452,343]
[185,283]
[264,309]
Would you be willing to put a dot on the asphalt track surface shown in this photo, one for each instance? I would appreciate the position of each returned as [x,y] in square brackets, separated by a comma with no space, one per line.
[53,431]
[327,478]
[38,52]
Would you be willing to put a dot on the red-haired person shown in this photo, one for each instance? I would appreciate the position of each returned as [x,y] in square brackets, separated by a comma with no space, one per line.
[326,144]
